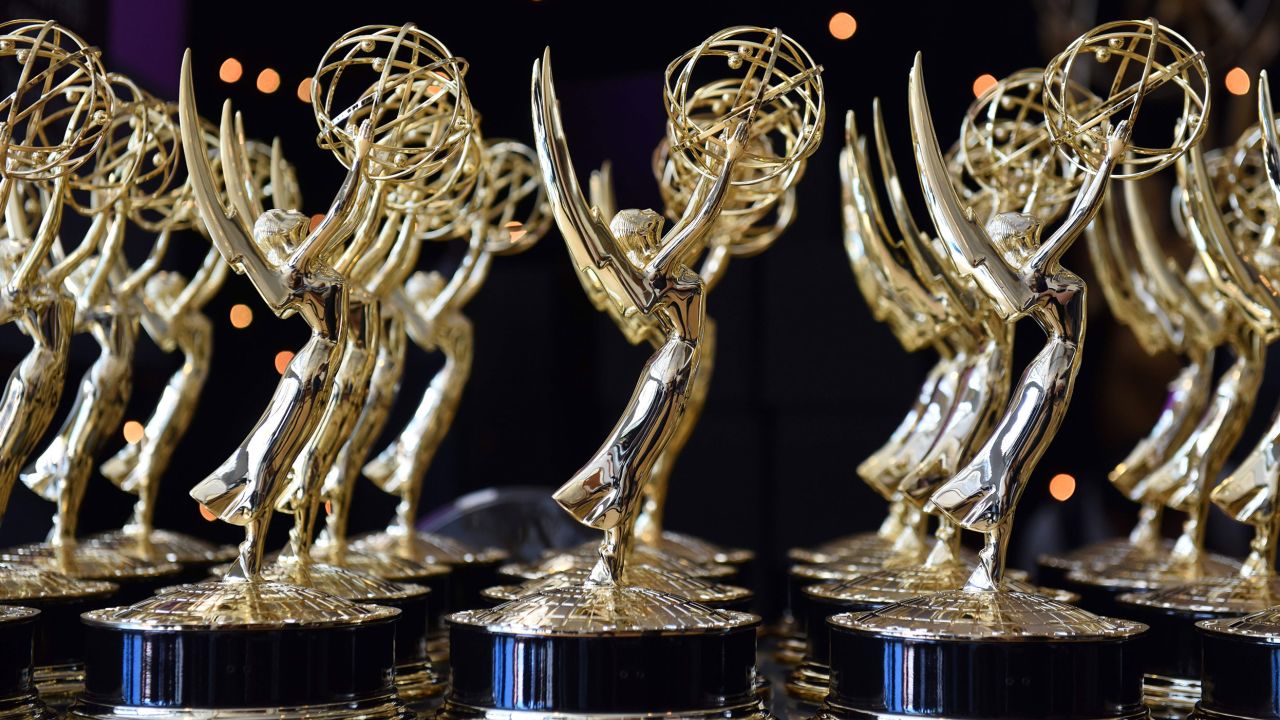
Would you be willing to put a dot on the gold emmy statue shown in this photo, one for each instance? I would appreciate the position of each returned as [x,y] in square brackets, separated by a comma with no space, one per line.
[956,638]
[1236,247]
[169,308]
[55,116]
[1168,310]
[131,175]
[247,621]
[911,274]
[1234,649]
[504,214]
[1216,312]
[766,119]
[755,216]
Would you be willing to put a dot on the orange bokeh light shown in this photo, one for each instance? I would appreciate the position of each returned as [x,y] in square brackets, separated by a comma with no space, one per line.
[230,71]
[842,26]
[984,82]
[304,90]
[207,514]
[1062,487]
[268,81]
[315,222]
[283,358]
[241,316]
[1237,81]
[133,432]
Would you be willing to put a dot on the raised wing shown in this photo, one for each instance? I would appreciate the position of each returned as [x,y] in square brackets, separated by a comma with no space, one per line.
[1270,144]
[229,232]
[967,242]
[603,268]
[890,289]
[917,245]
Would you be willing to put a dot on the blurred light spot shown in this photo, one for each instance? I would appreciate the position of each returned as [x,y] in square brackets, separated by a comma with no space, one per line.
[516,228]
[283,359]
[304,90]
[1062,487]
[241,316]
[842,26]
[1237,81]
[133,432]
[207,514]
[315,221]
[328,507]
[268,81]
[984,83]
[230,71]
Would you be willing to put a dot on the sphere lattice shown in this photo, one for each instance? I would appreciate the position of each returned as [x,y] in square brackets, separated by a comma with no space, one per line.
[136,162]
[772,77]
[56,111]
[1005,145]
[445,201]
[511,198]
[1123,48]
[410,89]
[1250,200]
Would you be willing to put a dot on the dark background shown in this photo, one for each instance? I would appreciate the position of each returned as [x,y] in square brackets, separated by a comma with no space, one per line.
[806,383]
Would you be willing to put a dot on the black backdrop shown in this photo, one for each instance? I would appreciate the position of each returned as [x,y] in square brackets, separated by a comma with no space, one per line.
[806,383]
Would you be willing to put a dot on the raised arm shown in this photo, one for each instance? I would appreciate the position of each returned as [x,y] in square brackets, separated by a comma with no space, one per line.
[1087,201]
[699,218]
[967,242]
[337,221]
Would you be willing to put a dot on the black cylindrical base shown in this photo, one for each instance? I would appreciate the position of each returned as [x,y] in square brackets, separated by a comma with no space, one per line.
[1100,599]
[873,675]
[1240,676]
[59,636]
[18,700]
[466,582]
[238,668]
[1050,573]
[631,674]
[1172,647]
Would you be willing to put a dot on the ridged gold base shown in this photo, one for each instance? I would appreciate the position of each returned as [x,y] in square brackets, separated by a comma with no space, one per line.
[1170,698]
[59,685]
[750,711]
[25,707]
[420,688]
[790,650]
[809,682]
[382,708]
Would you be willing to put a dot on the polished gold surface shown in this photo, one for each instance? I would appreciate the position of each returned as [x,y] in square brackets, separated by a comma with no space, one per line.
[170,313]
[507,214]
[986,615]
[109,126]
[238,605]
[593,610]
[740,141]
[898,585]
[1019,275]
[698,590]
[312,273]
[56,115]
[586,557]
